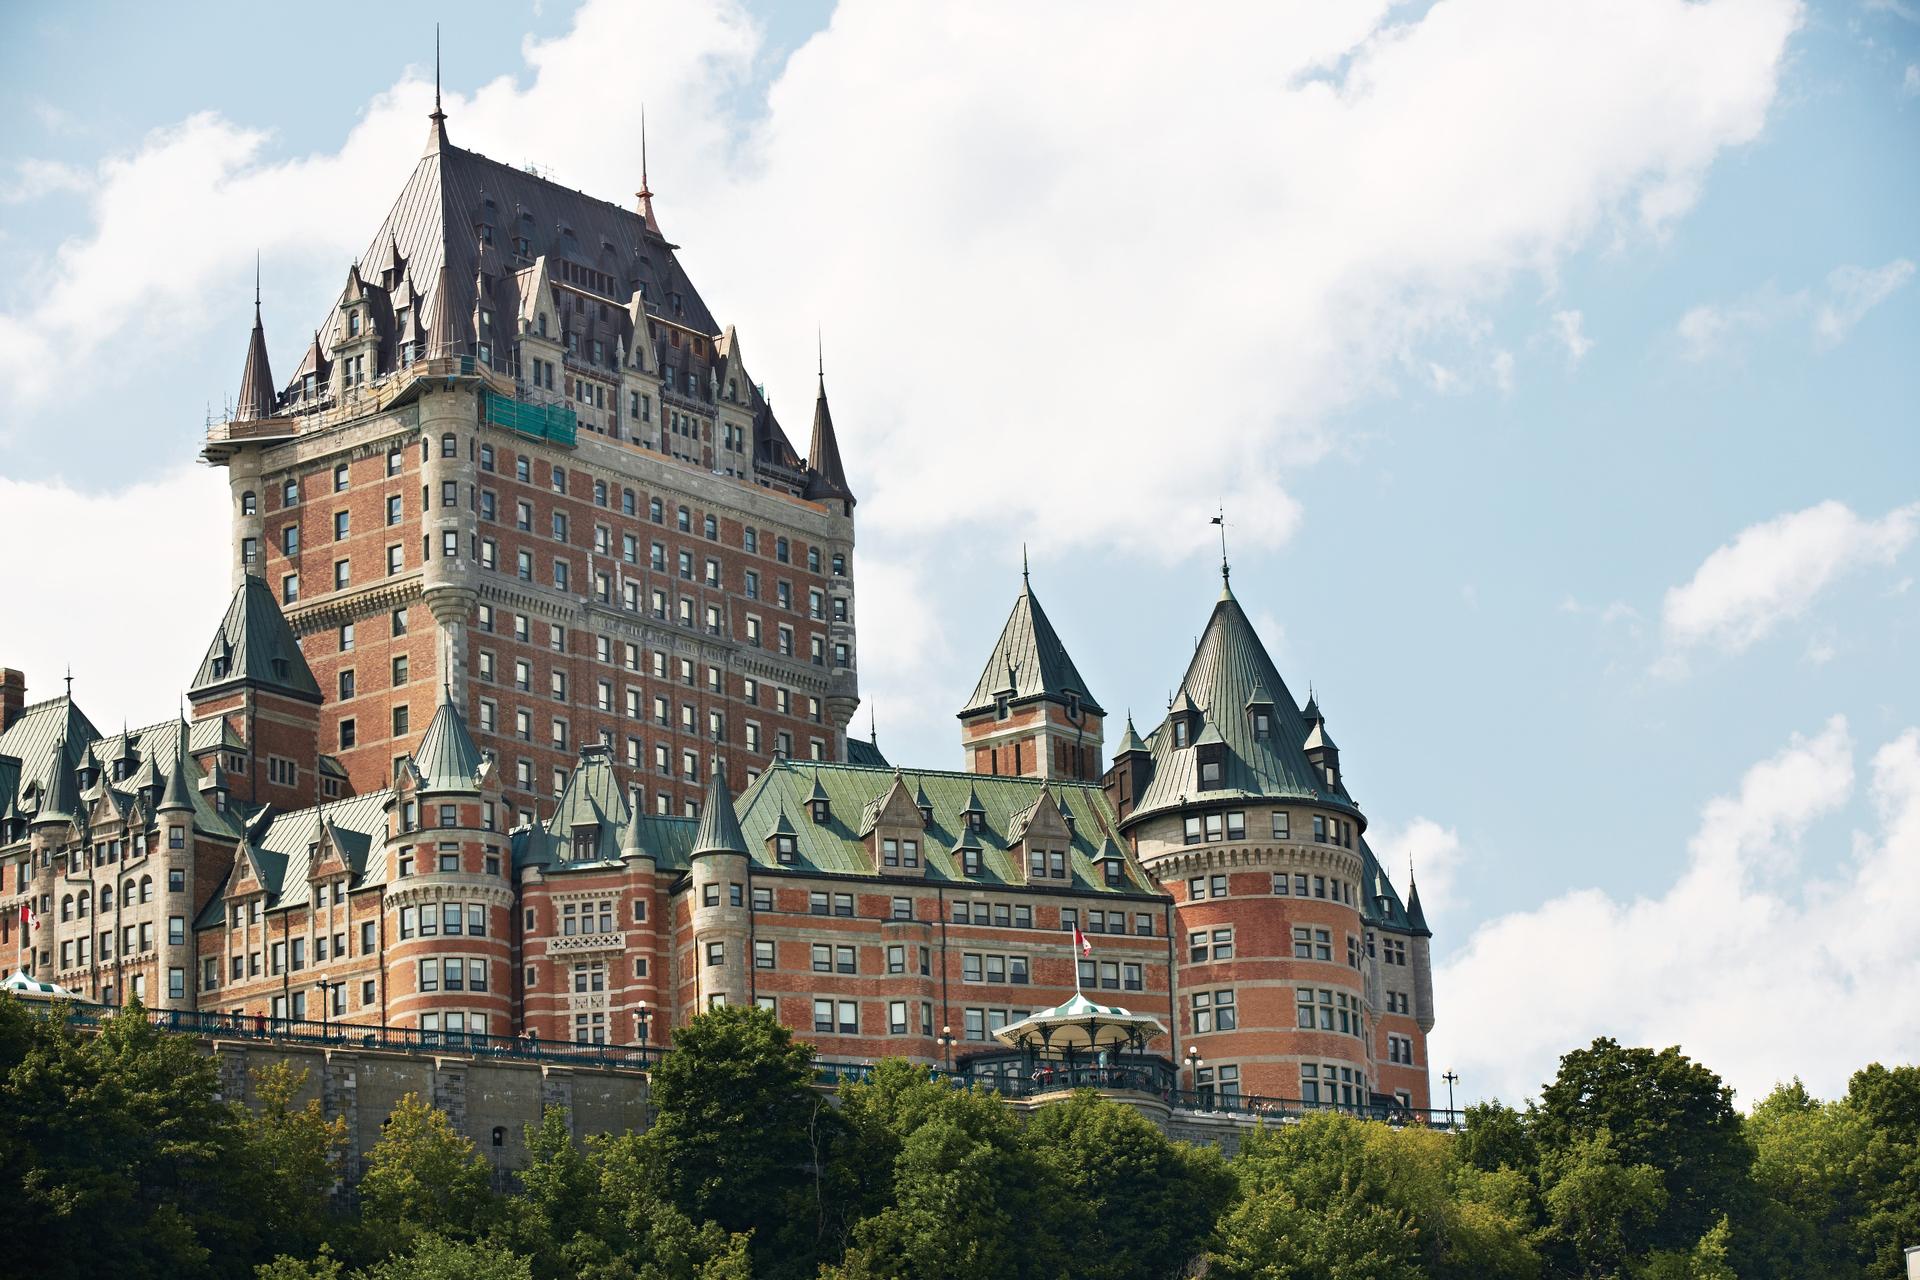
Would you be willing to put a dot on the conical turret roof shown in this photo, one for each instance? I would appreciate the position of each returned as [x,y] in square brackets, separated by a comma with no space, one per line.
[1028,661]
[828,478]
[59,791]
[1129,741]
[447,758]
[719,829]
[256,399]
[1229,673]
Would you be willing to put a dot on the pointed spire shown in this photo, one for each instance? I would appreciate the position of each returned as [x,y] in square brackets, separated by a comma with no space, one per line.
[256,378]
[828,477]
[437,135]
[1129,741]
[719,829]
[255,645]
[632,845]
[177,796]
[59,798]
[1226,572]
[645,194]
[1416,916]
[447,758]
[1028,660]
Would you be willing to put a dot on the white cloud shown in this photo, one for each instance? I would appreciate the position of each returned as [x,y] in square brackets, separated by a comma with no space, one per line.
[1569,328]
[1910,82]
[1032,258]
[1753,967]
[131,599]
[37,178]
[1772,572]
[1851,293]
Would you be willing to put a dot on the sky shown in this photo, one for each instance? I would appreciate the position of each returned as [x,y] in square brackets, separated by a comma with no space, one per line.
[1552,363]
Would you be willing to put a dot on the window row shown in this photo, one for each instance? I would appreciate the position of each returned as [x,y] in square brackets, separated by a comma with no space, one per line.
[452,973]
[446,919]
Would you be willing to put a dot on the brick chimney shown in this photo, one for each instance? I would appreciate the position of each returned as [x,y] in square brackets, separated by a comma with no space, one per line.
[13,696]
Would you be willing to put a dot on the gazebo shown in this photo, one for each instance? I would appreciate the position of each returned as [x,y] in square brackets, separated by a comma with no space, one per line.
[1080,1044]
[25,984]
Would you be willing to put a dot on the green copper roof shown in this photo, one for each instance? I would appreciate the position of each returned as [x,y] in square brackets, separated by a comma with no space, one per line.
[447,758]
[1129,741]
[59,795]
[1028,662]
[835,847]
[1231,672]
[1381,905]
[178,796]
[593,804]
[255,646]
[280,847]
[719,830]
[862,752]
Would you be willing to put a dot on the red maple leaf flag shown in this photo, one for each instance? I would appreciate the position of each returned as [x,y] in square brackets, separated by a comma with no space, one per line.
[1080,941]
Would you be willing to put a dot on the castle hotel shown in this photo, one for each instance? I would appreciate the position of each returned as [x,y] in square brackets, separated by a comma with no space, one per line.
[529,717]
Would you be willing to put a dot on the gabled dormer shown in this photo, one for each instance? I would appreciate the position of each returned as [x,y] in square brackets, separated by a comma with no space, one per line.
[819,804]
[893,831]
[783,842]
[1041,840]
[1210,757]
[1319,747]
[968,854]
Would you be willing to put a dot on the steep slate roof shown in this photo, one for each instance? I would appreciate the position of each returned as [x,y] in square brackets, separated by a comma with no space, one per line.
[58,728]
[593,797]
[1028,661]
[1397,918]
[279,849]
[835,847]
[866,754]
[1230,672]
[254,645]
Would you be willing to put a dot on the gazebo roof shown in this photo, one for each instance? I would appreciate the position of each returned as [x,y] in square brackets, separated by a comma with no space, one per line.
[26,984]
[1079,1024]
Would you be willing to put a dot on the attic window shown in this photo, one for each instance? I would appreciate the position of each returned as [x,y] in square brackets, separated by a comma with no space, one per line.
[219,668]
[822,811]
[970,862]
[976,821]
[785,849]
[1181,736]
[926,815]
[1001,705]
[1262,725]
[1213,766]
[1073,706]
[281,668]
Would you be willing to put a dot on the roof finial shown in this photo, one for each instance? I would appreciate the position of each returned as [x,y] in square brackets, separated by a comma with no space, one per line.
[69,682]
[438,114]
[820,355]
[1220,518]
[256,282]
[873,727]
[1023,566]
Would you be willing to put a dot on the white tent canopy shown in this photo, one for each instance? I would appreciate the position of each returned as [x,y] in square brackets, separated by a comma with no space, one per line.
[26,984]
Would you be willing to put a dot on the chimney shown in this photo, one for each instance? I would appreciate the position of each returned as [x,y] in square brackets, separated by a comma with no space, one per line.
[13,696]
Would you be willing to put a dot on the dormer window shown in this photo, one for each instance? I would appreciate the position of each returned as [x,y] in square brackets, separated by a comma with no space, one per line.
[970,862]
[353,324]
[1001,706]
[220,668]
[785,850]
[1262,725]
[822,812]
[1181,735]
[1116,872]
[926,815]
[1073,706]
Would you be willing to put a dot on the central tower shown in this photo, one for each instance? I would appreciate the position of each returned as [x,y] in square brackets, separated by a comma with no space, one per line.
[1030,714]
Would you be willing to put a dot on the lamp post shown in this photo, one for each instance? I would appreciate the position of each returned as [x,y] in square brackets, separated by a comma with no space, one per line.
[327,987]
[642,1016]
[946,1042]
[1451,1080]
[1195,1062]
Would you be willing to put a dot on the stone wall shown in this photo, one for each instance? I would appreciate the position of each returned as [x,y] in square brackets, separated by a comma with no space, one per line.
[490,1100]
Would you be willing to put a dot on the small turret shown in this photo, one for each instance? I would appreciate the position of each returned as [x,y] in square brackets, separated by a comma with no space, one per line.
[256,400]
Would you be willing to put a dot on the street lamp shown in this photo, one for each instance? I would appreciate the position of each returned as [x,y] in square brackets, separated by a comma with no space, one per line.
[1451,1080]
[1195,1062]
[642,1016]
[946,1042]
[327,987]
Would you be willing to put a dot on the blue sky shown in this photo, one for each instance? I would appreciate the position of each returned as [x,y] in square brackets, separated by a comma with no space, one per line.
[1566,422]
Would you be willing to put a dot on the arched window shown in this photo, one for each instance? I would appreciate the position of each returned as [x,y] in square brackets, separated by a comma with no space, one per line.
[146,888]
[106,898]
[126,893]
[449,447]
[249,504]
[81,903]
[66,907]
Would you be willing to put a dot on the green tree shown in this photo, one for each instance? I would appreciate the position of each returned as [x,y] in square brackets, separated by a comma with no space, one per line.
[742,1134]
[118,1156]
[323,1266]
[1599,1208]
[1496,1136]
[293,1159]
[1805,1158]
[639,1231]
[1887,1170]
[1660,1109]
[435,1257]
[1271,1235]
[422,1177]
[1130,1205]
[964,1193]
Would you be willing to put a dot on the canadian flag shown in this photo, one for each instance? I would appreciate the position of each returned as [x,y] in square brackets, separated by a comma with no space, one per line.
[27,917]
[1080,941]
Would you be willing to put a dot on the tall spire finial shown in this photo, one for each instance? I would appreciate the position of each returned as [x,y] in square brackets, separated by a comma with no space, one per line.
[819,355]
[69,682]
[873,726]
[1220,518]
[1023,566]
[438,114]
[644,195]
[256,281]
